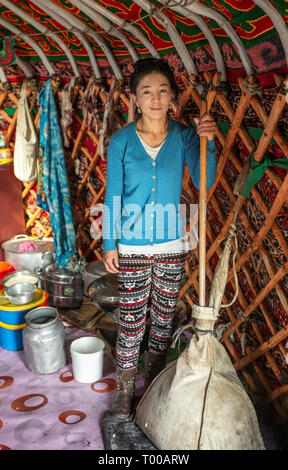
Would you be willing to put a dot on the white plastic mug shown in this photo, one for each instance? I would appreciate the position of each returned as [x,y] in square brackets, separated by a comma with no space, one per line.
[87,359]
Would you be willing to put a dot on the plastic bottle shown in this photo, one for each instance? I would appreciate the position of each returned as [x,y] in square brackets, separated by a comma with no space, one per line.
[5,152]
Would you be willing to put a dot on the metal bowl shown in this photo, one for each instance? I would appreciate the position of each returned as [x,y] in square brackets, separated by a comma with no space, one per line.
[104,290]
[20,294]
[20,277]
[93,271]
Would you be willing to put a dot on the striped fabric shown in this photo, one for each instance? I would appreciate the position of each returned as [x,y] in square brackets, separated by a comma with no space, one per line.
[142,278]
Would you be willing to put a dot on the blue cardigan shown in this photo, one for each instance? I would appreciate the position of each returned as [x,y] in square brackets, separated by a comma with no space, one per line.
[142,200]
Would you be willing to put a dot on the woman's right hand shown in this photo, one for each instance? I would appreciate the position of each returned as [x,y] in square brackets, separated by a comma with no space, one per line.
[111,261]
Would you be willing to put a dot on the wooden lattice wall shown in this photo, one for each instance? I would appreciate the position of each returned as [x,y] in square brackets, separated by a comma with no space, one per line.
[255,328]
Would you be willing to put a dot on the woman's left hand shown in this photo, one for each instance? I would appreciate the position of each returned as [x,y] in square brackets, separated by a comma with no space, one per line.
[206,126]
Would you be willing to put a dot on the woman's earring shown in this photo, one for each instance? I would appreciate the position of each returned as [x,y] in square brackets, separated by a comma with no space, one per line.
[139,109]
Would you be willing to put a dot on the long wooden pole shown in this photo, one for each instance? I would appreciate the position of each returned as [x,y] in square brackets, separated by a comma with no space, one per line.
[202,212]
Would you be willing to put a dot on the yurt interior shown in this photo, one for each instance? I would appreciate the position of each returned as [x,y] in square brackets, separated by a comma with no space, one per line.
[65,69]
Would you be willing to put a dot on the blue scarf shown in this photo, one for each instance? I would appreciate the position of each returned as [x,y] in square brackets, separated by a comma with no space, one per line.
[53,187]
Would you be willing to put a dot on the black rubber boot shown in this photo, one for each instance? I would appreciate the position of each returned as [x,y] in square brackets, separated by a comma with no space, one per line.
[154,364]
[122,405]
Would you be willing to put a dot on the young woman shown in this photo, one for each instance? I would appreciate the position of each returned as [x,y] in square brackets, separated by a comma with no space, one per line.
[144,238]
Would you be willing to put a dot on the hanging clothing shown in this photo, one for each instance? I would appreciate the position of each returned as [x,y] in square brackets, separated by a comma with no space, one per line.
[67,109]
[142,277]
[26,142]
[53,187]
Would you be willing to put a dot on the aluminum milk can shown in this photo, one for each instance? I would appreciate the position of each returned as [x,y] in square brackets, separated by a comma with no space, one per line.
[44,341]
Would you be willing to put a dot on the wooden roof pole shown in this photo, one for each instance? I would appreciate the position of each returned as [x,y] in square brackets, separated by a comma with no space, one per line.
[79,29]
[179,45]
[27,72]
[43,30]
[201,9]
[107,26]
[53,12]
[277,20]
[208,34]
[29,41]
[126,26]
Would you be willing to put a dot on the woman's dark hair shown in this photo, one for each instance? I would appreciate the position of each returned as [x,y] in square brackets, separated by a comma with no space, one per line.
[144,66]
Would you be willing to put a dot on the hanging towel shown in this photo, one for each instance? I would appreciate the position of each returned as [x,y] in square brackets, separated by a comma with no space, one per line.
[26,142]
[53,188]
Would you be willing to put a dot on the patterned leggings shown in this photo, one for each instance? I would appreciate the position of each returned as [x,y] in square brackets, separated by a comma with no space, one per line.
[141,277]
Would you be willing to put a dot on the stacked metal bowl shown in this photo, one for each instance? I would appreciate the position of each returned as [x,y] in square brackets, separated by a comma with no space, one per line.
[19,287]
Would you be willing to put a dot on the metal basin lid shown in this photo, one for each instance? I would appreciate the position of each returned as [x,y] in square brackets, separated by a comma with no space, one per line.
[43,245]
[104,290]
[61,275]
[96,268]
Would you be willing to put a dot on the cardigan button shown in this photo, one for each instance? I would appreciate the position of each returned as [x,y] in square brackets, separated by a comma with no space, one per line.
[154,163]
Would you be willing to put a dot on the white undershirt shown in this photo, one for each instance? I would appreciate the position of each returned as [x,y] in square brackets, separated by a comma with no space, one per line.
[181,245]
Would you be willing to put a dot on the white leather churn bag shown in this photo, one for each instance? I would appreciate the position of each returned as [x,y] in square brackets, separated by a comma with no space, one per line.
[26,145]
[198,402]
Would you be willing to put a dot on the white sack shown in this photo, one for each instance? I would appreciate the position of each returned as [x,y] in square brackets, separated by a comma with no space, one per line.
[198,402]
[26,146]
